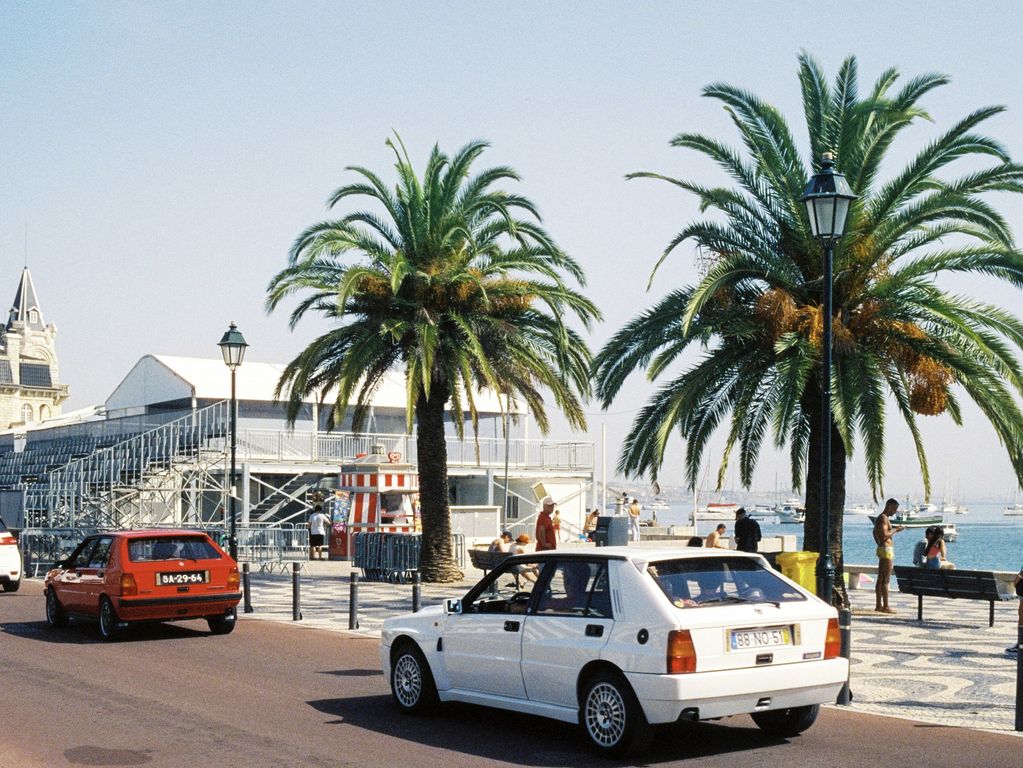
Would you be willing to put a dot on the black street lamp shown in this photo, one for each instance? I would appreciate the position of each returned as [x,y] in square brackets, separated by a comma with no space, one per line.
[233,345]
[827,199]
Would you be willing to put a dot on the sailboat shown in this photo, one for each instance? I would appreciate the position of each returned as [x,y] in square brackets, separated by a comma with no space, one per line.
[949,507]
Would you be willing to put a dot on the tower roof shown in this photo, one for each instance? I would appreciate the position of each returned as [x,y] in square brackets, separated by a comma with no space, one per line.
[24,302]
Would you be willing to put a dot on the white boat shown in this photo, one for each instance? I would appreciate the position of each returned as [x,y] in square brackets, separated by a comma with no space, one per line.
[792,512]
[718,510]
[917,515]
[1014,509]
[860,509]
[659,505]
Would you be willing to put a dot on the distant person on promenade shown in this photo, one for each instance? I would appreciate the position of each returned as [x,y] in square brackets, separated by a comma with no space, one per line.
[634,512]
[747,531]
[936,549]
[556,522]
[883,532]
[1017,583]
[545,538]
[714,538]
[318,523]
[591,524]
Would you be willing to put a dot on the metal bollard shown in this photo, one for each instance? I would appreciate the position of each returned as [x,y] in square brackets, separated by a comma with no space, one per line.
[845,630]
[353,602]
[1019,678]
[417,591]
[246,589]
[296,592]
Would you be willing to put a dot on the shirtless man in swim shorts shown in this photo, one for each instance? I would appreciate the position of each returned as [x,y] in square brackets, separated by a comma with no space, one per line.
[883,531]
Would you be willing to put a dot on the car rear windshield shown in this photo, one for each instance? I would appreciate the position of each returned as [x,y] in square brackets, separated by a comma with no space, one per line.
[171,548]
[705,581]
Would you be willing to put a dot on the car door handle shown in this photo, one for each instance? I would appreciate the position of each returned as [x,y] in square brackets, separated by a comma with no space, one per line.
[511,626]
[594,630]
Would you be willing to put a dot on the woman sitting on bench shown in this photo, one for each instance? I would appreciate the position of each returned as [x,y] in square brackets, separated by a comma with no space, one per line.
[936,549]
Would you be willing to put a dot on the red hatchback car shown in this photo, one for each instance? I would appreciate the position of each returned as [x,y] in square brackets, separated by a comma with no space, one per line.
[122,577]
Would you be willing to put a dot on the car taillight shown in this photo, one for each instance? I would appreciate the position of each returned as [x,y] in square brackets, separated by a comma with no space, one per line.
[128,585]
[681,652]
[6,538]
[233,580]
[832,640]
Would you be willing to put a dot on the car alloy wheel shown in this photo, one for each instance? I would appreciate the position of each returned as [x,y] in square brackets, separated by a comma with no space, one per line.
[605,715]
[612,718]
[107,619]
[412,682]
[55,615]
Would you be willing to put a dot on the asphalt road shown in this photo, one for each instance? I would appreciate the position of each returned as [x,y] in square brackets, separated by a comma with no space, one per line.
[277,695]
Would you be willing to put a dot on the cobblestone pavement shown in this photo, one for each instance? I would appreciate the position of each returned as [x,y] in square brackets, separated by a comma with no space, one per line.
[950,669]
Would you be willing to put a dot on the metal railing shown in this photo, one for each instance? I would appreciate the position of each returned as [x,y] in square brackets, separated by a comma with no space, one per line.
[284,445]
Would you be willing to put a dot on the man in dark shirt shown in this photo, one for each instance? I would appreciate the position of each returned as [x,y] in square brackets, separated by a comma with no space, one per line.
[747,531]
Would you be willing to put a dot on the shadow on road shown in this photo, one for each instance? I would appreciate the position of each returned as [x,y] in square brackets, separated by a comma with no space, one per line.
[80,632]
[484,733]
[354,672]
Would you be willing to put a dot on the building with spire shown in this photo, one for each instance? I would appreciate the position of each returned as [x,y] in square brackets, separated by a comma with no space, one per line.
[30,388]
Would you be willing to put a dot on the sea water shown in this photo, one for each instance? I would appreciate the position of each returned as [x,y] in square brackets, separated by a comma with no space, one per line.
[988,540]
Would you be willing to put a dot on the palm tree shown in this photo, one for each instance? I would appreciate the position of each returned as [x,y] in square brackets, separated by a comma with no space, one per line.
[756,312]
[457,284]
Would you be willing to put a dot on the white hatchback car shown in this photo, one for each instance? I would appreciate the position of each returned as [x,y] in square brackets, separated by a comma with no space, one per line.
[621,639]
[10,560]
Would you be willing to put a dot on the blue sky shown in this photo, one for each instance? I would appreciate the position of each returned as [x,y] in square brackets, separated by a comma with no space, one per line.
[165,155]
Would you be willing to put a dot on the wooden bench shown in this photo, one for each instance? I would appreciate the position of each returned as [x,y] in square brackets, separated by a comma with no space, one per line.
[951,583]
[484,560]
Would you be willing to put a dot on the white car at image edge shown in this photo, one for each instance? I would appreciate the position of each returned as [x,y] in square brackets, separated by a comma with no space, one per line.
[620,640]
[10,560]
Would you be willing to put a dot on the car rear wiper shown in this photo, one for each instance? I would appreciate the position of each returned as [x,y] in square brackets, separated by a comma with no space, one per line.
[738,599]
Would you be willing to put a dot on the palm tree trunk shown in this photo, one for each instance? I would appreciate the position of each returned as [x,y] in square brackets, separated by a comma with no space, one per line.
[812,525]
[436,561]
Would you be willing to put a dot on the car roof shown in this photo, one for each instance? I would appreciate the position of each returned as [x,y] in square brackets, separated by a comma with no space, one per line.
[636,554]
[144,533]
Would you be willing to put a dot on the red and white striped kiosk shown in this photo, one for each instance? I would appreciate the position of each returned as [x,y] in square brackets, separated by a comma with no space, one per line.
[379,494]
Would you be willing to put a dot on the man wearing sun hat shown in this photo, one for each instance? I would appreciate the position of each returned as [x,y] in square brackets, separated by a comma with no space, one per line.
[545,538]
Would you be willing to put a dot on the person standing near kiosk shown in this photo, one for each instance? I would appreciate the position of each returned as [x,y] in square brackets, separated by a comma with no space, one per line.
[545,538]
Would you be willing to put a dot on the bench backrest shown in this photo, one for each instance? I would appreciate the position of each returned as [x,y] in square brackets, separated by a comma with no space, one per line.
[484,560]
[952,583]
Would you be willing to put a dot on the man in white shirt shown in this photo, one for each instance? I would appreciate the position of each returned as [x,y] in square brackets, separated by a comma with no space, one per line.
[318,524]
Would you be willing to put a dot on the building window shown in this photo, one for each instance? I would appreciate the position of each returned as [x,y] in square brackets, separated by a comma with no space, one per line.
[44,413]
[26,413]
[33,316]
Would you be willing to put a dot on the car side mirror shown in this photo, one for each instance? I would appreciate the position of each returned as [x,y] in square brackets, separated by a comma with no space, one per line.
[454,605]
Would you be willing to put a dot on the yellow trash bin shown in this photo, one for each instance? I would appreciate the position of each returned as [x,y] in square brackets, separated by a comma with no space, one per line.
[801,567]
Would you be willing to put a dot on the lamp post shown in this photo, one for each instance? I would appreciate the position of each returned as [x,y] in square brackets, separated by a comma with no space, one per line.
[827,198]
[233,345]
